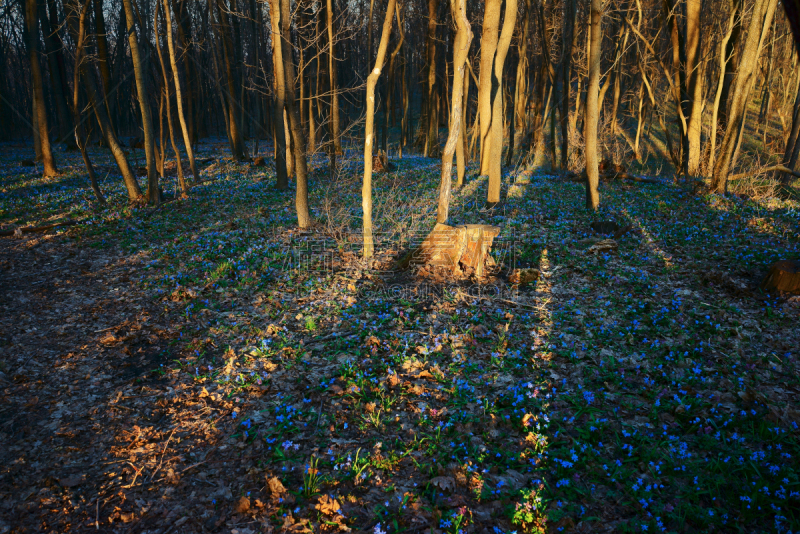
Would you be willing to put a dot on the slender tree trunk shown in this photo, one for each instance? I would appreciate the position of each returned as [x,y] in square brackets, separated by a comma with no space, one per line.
[55,63]
[280,97]
[390,87]
[694,72]
[372,80]
[489,37]
[187,139]
[234,128]
[592,112]
[178,163]
[521,82]
[80,137]
[293,112]
[760,22]
[431,148]
[153,195]
[334,87]
[723,60]
[40,111]
[496,154]
[101,114]
[461,146]
[463,39]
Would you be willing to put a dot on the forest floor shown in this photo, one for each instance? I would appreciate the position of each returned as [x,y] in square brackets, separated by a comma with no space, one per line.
[207,367]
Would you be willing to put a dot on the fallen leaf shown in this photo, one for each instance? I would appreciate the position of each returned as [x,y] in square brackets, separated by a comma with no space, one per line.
[445,483]
[243,505]
[275,486]
[328,505]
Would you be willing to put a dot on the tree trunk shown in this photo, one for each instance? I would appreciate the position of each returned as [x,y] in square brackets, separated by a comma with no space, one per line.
[293,112]
[760,22]
[80,137]
[101,114]
[280,96]
[40,111]
[187,140]
[592,112]
[234,128]
[55,62]
[431,132]
[178,164]
[461,145]
[694,90]
[372,80]
[490,34]
[390,87]
[461,46]
[496,153]
[334,88]
[153,195]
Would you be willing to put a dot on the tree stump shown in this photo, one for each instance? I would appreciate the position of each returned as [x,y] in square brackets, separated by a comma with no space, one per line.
[259,162]
[457,248]
[380,162]
[783,276]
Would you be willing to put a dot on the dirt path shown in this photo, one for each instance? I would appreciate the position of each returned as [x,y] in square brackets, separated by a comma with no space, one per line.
[90,432]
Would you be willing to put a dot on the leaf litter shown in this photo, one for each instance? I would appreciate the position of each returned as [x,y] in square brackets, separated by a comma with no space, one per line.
[184,370]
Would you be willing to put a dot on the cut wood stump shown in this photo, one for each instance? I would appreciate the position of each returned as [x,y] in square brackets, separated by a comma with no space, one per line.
[259,162]
[457,248]
[783,276]
[380,162]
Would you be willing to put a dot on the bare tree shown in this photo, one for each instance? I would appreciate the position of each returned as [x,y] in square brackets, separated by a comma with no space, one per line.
[463,39]
[372,81]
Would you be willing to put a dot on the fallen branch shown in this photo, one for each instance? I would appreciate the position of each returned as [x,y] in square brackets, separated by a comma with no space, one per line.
[781,168]
[35,229]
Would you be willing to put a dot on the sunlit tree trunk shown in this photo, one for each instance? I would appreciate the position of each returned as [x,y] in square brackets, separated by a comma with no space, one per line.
[293,112]
[153,195]
[568,43]
[463,40]
[178,163]
[496,153]
[372,80]
[334,87]
[489,36]
[280,97]
[592,111]
[40,111]
[101,114]
[187,140]
[760,22]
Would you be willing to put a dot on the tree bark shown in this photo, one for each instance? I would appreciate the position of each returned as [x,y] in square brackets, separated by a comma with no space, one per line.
[187,140]
[463,40]
[496,153]
[760,22]
[592,112]
[490,34]
[80,137]
[40,111]
[101,114]
[334,87]
[372,80]
[293,112]
[234,128]
[153,195]
[280,96]
[694,90]
[168,30]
